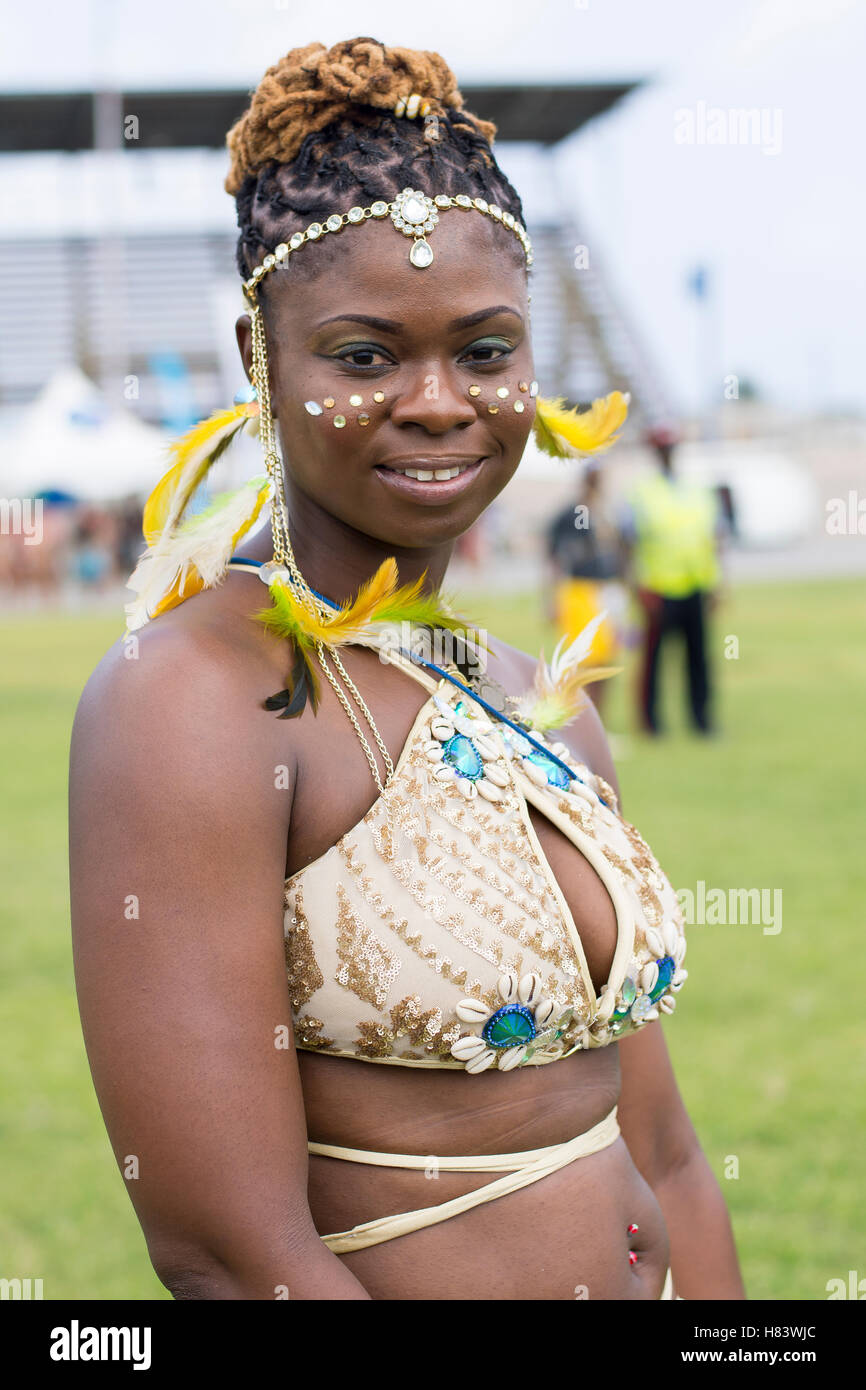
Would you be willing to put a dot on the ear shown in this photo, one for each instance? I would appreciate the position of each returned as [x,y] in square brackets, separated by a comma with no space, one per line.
[244,336]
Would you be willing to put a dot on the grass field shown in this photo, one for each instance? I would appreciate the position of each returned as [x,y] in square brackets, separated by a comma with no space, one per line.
[768,1039]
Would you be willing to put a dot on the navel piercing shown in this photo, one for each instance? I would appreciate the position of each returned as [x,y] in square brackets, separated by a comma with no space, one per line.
[632,1229]
[312,407]
[632,1257]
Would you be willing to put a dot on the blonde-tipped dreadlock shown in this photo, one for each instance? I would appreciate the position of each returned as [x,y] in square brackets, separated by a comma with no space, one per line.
[312,86]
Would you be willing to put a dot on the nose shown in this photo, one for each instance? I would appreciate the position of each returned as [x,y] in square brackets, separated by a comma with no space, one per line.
[431,399]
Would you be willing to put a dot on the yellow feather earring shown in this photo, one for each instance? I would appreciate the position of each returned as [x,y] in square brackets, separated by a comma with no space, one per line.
[571,433]
[184,556]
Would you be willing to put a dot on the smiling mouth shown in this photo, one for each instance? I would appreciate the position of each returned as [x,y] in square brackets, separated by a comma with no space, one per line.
[428,470]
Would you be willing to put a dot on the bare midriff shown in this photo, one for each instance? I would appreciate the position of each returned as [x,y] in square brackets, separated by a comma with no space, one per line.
[564,1236]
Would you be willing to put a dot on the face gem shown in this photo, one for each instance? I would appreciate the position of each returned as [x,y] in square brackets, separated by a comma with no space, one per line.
[502,392]
[329,402]
[363,419]
[523,386]
[312,407]
[493,409]
[475,390]
[519,407]
[533,388]
[378,396]
[356,400]
[339,421]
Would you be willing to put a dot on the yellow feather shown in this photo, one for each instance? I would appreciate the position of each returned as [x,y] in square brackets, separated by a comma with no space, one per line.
[580,432]
[193,454]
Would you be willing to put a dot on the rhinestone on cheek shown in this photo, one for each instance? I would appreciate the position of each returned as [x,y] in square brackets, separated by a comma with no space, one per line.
[363,419]
[519,407]
[329,402]
[502,392]
[339,421]
[493,409]
[523,385]
[475,390]
[356,400]
[378,396]
[312,407]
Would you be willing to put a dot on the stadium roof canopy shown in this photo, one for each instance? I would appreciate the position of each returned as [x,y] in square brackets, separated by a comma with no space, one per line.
[68,120]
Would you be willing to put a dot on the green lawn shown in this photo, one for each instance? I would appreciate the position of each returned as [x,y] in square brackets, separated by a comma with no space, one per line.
[767,1041]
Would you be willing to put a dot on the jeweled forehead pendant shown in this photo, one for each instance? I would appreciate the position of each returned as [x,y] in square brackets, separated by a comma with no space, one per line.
[412,212]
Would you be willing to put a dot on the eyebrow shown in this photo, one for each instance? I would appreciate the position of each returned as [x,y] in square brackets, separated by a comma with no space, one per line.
[391,325]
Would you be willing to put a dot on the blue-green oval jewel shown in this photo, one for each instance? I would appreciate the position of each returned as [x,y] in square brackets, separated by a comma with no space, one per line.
[461,754]
[556,775]
[628,992]
[667,967]
[510,1026]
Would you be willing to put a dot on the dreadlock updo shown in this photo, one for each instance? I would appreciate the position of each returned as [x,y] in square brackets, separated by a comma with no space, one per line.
[320,135]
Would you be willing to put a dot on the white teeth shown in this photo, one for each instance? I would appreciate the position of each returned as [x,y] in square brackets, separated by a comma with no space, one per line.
[425,475]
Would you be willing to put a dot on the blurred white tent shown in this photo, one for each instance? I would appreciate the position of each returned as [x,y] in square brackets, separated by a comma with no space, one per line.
[72,439]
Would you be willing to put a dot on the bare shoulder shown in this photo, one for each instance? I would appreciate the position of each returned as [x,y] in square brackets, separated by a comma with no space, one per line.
[585,735]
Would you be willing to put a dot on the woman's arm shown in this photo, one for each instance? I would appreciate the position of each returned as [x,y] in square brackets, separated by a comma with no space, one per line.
[656,1126]
[178,822]
[665,1149]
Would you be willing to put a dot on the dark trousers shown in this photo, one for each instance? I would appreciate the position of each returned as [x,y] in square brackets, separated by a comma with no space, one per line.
[664,616]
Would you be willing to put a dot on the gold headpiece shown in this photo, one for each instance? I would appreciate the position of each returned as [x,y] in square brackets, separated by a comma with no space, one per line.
[412,212]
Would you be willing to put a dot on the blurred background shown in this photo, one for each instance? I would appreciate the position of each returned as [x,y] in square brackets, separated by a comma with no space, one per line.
[686,175]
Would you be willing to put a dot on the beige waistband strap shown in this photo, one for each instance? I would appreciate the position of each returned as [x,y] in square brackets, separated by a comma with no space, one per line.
[530,1165]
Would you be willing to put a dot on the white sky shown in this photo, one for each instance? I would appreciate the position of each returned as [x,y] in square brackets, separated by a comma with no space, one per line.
[782,233]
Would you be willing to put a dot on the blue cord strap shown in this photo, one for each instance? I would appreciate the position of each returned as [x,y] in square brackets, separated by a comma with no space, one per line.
[242,562]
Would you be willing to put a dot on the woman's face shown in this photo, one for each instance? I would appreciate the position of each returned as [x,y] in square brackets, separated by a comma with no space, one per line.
[371,323]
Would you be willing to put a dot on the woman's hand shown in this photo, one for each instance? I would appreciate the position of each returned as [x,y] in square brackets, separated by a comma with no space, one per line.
[180,799]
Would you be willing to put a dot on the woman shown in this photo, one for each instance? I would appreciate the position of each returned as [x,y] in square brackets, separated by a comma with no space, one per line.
[441,932]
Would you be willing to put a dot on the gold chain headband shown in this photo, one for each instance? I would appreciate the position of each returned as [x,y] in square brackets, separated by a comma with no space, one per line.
[412,212]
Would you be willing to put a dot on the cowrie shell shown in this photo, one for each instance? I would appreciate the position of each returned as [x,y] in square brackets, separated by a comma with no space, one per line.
[468,788]
[497,775]
[488,790]
[649,977]
[529,988]
[667,1003]
[511,1058]
[507,986]
[472,1011]
[485,747]
[466,1048]
[535,773]
[443,774]
[654,941]
[440,728]
[605,1006]
[435,755]
[543,1011]
[680,950]
[482,1061]
[671,936]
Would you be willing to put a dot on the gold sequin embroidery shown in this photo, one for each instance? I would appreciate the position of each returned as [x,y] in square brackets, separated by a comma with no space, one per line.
[307,1033]
[368,967]
[304,974]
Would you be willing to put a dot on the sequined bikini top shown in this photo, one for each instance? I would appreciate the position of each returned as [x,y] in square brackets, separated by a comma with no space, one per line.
[434,934]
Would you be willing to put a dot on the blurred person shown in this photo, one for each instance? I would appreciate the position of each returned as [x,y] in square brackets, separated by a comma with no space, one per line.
[585,558]
[94,547]
[671,529]
[414,922]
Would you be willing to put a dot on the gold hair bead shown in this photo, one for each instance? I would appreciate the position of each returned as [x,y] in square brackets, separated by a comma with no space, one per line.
[378,396]
[329,402]
[412,106]
[356,400]
[475,390]
[400,107]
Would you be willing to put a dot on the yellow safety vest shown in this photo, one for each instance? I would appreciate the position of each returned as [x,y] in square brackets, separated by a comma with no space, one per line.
[675,525]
